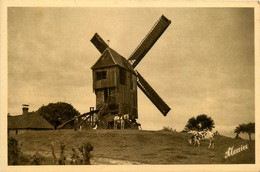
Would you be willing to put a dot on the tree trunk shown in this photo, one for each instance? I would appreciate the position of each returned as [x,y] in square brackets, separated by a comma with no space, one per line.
[249,134]
[237,136]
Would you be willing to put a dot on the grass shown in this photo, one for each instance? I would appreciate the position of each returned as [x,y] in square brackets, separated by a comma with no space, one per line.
[146,147]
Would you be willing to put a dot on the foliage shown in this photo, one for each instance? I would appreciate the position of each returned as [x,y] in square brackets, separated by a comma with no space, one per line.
[62,158]
[191,125]
[53,111]
[167,128]
[15,155]
[76,159]
[37,159]
[201,122]
[85,150]
[80,155]
[248,128]
[239,129]
[14,151]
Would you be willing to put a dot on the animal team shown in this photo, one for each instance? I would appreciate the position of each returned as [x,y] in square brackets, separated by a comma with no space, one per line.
[121,121]
[201,135]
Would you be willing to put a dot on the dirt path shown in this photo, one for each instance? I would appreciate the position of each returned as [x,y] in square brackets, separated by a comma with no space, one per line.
[93,161]
[109,161]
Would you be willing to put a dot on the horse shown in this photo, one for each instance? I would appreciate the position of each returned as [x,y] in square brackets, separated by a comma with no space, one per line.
[120,120]
[95,127]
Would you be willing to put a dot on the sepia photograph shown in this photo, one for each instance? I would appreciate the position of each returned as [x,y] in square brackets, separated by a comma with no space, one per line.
[130,86]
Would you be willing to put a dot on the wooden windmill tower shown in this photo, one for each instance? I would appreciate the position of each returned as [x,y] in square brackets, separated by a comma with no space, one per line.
[115,81]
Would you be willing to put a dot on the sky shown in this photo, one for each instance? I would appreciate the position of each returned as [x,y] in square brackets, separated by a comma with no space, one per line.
[202,64]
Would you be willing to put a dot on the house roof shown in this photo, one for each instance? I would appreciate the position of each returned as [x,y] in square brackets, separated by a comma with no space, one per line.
[32,120]
[111,58]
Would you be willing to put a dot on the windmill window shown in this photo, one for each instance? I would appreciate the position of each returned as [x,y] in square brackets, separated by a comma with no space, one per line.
[122,76]
[101,75]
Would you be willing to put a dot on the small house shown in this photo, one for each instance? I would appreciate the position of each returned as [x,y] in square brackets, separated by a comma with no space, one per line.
[27,121]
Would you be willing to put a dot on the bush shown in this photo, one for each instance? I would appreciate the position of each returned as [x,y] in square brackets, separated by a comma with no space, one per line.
[167,128]
[15,155]
[14,151]
[37,159]
[81,154]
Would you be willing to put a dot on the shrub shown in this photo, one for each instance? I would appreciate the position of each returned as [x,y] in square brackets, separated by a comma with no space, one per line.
[37,159]
[81,154]
[167,128]
[14,151]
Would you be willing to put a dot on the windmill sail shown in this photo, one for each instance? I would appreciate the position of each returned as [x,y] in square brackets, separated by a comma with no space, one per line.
[99,43]
[152,95]
[147,43]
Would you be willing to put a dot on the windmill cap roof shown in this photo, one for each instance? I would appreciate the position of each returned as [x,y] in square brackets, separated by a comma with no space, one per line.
[111,58]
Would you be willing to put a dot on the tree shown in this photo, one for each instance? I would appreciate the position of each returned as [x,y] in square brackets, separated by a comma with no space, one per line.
[61,110]
[240,128]
[249,129]
[191,125]
[201,122]
[245,128]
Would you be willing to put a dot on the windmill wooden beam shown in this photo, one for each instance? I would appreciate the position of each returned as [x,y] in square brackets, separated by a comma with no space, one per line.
[146,44]
[152,95]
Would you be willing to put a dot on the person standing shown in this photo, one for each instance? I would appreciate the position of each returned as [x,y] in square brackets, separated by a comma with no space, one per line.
[57,123]
[76,121]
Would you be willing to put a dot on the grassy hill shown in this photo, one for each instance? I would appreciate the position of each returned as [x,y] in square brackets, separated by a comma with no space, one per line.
[137,147]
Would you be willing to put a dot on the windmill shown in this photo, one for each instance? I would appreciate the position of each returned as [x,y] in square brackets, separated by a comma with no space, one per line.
[115,81]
